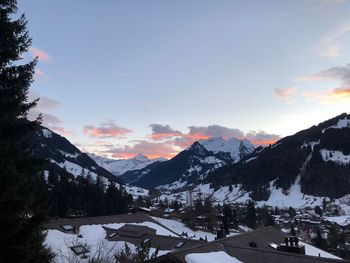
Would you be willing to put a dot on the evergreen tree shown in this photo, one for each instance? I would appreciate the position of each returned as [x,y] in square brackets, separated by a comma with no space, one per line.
[21,216]
[251,215]
[318,210]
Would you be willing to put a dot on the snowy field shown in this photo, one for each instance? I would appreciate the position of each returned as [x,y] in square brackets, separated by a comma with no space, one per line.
[293,197]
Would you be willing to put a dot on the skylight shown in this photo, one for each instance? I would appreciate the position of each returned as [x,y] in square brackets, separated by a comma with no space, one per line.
[78,250]
[180,244]
[68,227]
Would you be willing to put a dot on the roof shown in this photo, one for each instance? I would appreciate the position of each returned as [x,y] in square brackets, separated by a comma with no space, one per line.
[238,247]
[157,241]
[100,220]
[134,234]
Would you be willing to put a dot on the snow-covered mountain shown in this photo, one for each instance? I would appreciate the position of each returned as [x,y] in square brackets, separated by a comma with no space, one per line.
[313,163]
[192,165]
[120,167]
[62,156]
[236,148]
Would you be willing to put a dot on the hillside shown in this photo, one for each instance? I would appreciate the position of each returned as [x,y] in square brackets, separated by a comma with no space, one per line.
[63,155]
[193,165]
[317,159]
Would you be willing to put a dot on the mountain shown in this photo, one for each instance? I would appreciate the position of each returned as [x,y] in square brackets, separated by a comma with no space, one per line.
[62,155]
[236,148]
[191,165]
[120,167]
[313,162]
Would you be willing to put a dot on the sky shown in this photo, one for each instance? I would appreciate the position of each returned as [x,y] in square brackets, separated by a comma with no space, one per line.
[120,78]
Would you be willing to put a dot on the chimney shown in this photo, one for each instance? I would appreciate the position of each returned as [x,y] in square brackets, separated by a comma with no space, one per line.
[296,241]
[291,241]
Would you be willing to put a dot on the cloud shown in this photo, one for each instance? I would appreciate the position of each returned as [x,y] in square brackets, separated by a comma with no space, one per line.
[332,96]
[335,95]
[205,132]
[262,138]
[49,120]
[107,130]
[166,142]
[150,149]
[160,132]
[38,73]
[62,131]
[44,102]
[215,131]
[331,46]
[40,54]
[286,94]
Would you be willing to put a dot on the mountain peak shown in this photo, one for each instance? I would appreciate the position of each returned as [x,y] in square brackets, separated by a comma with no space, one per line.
[235,147]
[141,157]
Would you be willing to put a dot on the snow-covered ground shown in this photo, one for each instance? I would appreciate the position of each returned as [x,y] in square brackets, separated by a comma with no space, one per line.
[180,228]
[293,197]
[340,220]
[335,156]
[217,257]
[342,123]
[93,238]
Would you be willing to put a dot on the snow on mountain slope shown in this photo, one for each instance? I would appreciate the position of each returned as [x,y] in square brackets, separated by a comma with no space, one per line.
[120,167]
[236,148]
[63,155]
[294,197]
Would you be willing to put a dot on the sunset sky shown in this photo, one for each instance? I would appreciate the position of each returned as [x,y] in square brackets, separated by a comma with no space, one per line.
[120,78]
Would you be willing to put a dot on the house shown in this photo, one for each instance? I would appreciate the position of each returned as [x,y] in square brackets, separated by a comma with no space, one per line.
[267,245]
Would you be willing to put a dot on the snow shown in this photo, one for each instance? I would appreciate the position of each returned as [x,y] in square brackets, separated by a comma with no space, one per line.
[314,251]
[342,123]
[93,238]
[340,220]
[212,160]
[119,167]
[65,154]
[136,191]
[180,228]
[335,156]
[75,169]
[159,229]
[47,133]
[245,228]
[217,257]
[232,146]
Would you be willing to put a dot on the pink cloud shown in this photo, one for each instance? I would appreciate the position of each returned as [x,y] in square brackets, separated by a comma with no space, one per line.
[286,94]
[331,96]
[261,138]
[161,132]
[40,54]
[44,102]
[38,73]
[60,130]
[106,130]
[150,149]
